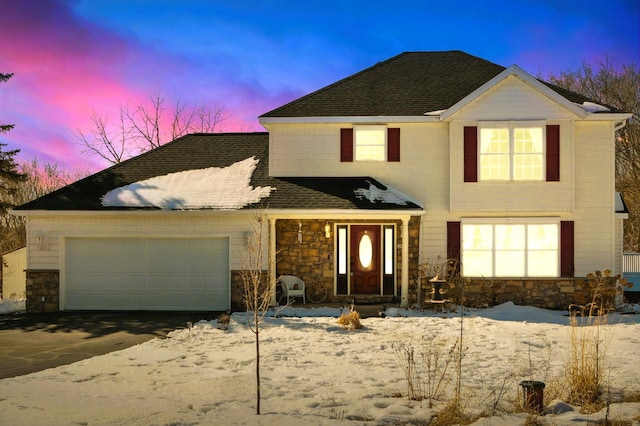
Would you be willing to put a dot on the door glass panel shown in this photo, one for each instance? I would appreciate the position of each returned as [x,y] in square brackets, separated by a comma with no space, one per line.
[342,250]
[365,251]
[388,250]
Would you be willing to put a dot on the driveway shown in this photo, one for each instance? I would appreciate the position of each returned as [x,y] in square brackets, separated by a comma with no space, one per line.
[35,342]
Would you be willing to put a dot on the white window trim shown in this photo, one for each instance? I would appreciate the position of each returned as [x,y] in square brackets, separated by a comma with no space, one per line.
[510,221]
[512,125]
[380,127]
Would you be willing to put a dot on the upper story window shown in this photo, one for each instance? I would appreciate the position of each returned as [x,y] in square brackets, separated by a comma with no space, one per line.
[370,143]
[512,151]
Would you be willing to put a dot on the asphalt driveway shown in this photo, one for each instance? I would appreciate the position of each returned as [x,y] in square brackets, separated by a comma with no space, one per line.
[35,342]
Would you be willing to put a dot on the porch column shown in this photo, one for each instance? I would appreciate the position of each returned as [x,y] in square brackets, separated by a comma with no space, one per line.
[272,260]
[404,279]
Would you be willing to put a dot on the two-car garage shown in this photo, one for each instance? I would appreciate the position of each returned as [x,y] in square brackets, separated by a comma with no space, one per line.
[129,273]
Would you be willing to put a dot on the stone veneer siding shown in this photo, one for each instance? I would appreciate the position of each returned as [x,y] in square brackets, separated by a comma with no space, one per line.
[43,291]
[543,293]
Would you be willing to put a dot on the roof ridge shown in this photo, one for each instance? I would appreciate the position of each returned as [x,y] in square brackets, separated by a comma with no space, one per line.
[337,83]
[360,94]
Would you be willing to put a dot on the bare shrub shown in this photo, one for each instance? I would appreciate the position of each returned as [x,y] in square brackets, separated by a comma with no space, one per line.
[429,369]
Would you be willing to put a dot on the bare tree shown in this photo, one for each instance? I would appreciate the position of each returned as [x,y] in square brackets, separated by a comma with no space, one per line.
[617,87]
[145,124]
[257,288]
[109,142]
[40,179]
[257,294]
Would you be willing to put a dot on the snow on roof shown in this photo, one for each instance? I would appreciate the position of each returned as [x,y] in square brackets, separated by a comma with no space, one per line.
[226,188]
[385,195]
[593,107]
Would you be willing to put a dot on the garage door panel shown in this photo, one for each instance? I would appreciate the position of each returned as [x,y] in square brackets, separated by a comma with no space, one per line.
[147,274]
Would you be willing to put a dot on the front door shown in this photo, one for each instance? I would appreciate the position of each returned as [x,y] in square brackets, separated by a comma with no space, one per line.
[365,259]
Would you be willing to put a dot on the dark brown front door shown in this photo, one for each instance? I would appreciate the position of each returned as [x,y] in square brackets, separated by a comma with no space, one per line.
[365,259]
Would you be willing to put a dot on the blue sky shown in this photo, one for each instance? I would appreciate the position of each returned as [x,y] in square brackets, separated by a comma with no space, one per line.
[74,57]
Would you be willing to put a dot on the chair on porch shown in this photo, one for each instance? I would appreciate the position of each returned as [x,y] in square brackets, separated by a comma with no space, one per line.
[292,286]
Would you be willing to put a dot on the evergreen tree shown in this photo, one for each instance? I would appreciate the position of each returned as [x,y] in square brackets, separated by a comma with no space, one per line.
[10,177]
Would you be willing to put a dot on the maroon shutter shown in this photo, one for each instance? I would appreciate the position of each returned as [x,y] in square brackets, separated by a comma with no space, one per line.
[470,154]
[453,240]
[346,145]
[553,153]
[393,144]
[566,249]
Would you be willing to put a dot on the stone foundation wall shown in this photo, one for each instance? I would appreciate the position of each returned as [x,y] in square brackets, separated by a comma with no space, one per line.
[43,291]
[237,289]
[542,293]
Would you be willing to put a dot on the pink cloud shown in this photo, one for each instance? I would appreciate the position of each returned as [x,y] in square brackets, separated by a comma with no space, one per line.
[64,69]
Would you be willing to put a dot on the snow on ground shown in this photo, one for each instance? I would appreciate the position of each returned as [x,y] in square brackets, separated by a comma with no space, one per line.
[316,373]
[11,305]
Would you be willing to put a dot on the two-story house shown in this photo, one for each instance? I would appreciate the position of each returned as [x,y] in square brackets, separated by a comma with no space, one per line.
[425,156]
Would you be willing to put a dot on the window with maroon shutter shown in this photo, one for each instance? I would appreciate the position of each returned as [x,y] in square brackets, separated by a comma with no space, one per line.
[346,145]
[471,154]
[453,240]
[393,144]
[553,153]
[567,268]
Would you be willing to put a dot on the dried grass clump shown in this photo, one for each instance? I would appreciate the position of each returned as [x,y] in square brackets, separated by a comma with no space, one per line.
[223,320]
[350,320]
[452,414]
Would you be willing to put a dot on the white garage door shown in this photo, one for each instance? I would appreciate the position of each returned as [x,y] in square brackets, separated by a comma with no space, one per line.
[147,274]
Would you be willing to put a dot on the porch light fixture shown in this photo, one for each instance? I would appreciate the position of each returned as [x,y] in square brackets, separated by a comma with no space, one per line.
[247,238]
[327,230]
[299,232]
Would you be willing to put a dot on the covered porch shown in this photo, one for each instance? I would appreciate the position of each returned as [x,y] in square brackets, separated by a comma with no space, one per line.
[368,260]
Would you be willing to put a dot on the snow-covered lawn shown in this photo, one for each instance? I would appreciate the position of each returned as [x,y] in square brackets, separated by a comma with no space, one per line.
[316,373]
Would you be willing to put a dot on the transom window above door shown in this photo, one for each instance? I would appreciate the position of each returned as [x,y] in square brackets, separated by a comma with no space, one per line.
[512,151]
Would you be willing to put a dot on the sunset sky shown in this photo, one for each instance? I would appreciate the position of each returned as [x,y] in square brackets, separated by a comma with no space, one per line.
[77,56]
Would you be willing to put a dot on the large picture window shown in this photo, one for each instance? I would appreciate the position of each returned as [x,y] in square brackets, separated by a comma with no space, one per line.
[511,249]
[512,151]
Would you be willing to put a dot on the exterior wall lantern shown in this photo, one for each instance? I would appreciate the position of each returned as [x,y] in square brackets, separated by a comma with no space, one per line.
[327,230]
[300,232]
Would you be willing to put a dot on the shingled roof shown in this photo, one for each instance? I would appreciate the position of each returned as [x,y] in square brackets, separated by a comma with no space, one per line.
[409,84]
[201,151]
